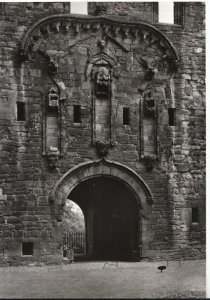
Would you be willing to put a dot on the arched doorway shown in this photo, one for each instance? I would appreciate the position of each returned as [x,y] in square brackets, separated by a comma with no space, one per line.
[112,217]
[116,203]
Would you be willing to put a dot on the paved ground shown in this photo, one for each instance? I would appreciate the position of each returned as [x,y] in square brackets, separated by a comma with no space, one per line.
[105,280]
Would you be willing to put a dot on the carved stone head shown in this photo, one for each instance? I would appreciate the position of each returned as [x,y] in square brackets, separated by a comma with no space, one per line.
[149,104]
[102,82]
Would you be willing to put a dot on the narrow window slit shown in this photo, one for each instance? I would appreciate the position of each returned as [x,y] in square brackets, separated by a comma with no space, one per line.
[21,113]
[126,116]
[172,116]
[195,215]
[77,113]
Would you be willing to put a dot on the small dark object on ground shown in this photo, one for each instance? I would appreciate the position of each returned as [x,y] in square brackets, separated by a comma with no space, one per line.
[161,268]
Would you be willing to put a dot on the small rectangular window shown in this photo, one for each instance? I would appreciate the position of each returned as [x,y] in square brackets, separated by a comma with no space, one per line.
[172,116]
[126,116]
[77,114]
[27,248]
[21,114]
[195,215]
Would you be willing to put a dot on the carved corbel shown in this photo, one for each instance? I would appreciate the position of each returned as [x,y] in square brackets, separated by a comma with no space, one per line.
[102,44]
[149,162]
[44,31]
[125,32]
[86,27]
[102,148]
[65,26]
[77,27]
[143,34]
[55,27]
[116,30]
[134,32]
[52,156]
[106,28]
[96,26]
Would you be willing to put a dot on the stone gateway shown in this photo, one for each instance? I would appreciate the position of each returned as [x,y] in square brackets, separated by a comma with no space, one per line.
[108,110]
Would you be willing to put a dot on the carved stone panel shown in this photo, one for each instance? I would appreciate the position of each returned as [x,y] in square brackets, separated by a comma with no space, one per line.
[102,82]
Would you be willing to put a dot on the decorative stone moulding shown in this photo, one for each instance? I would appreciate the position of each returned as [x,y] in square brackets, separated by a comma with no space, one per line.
[62,23]
[52,156]
[102,148]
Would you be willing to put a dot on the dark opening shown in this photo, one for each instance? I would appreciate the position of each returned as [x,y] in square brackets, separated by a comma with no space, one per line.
[27,248]
[195,215]
[111,214]
[126,116]
[179,10]
[172,116]
[2,6]
[21,113]
[77,114]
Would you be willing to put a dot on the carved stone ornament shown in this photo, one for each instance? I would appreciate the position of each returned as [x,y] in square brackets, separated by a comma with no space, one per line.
[102,148]
[102,44]
[43,29]
[52,156]
[149,104]
[149,73]
[102,82]
[53,98]
[149,162]
[52,67]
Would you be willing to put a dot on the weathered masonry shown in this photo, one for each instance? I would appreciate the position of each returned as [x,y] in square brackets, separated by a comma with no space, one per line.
[108,110]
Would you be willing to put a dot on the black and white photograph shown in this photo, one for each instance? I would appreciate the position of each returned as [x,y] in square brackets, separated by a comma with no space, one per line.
[103,150]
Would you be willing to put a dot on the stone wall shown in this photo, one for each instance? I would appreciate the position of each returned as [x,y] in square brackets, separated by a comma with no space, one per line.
[147,11]
[176,153]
